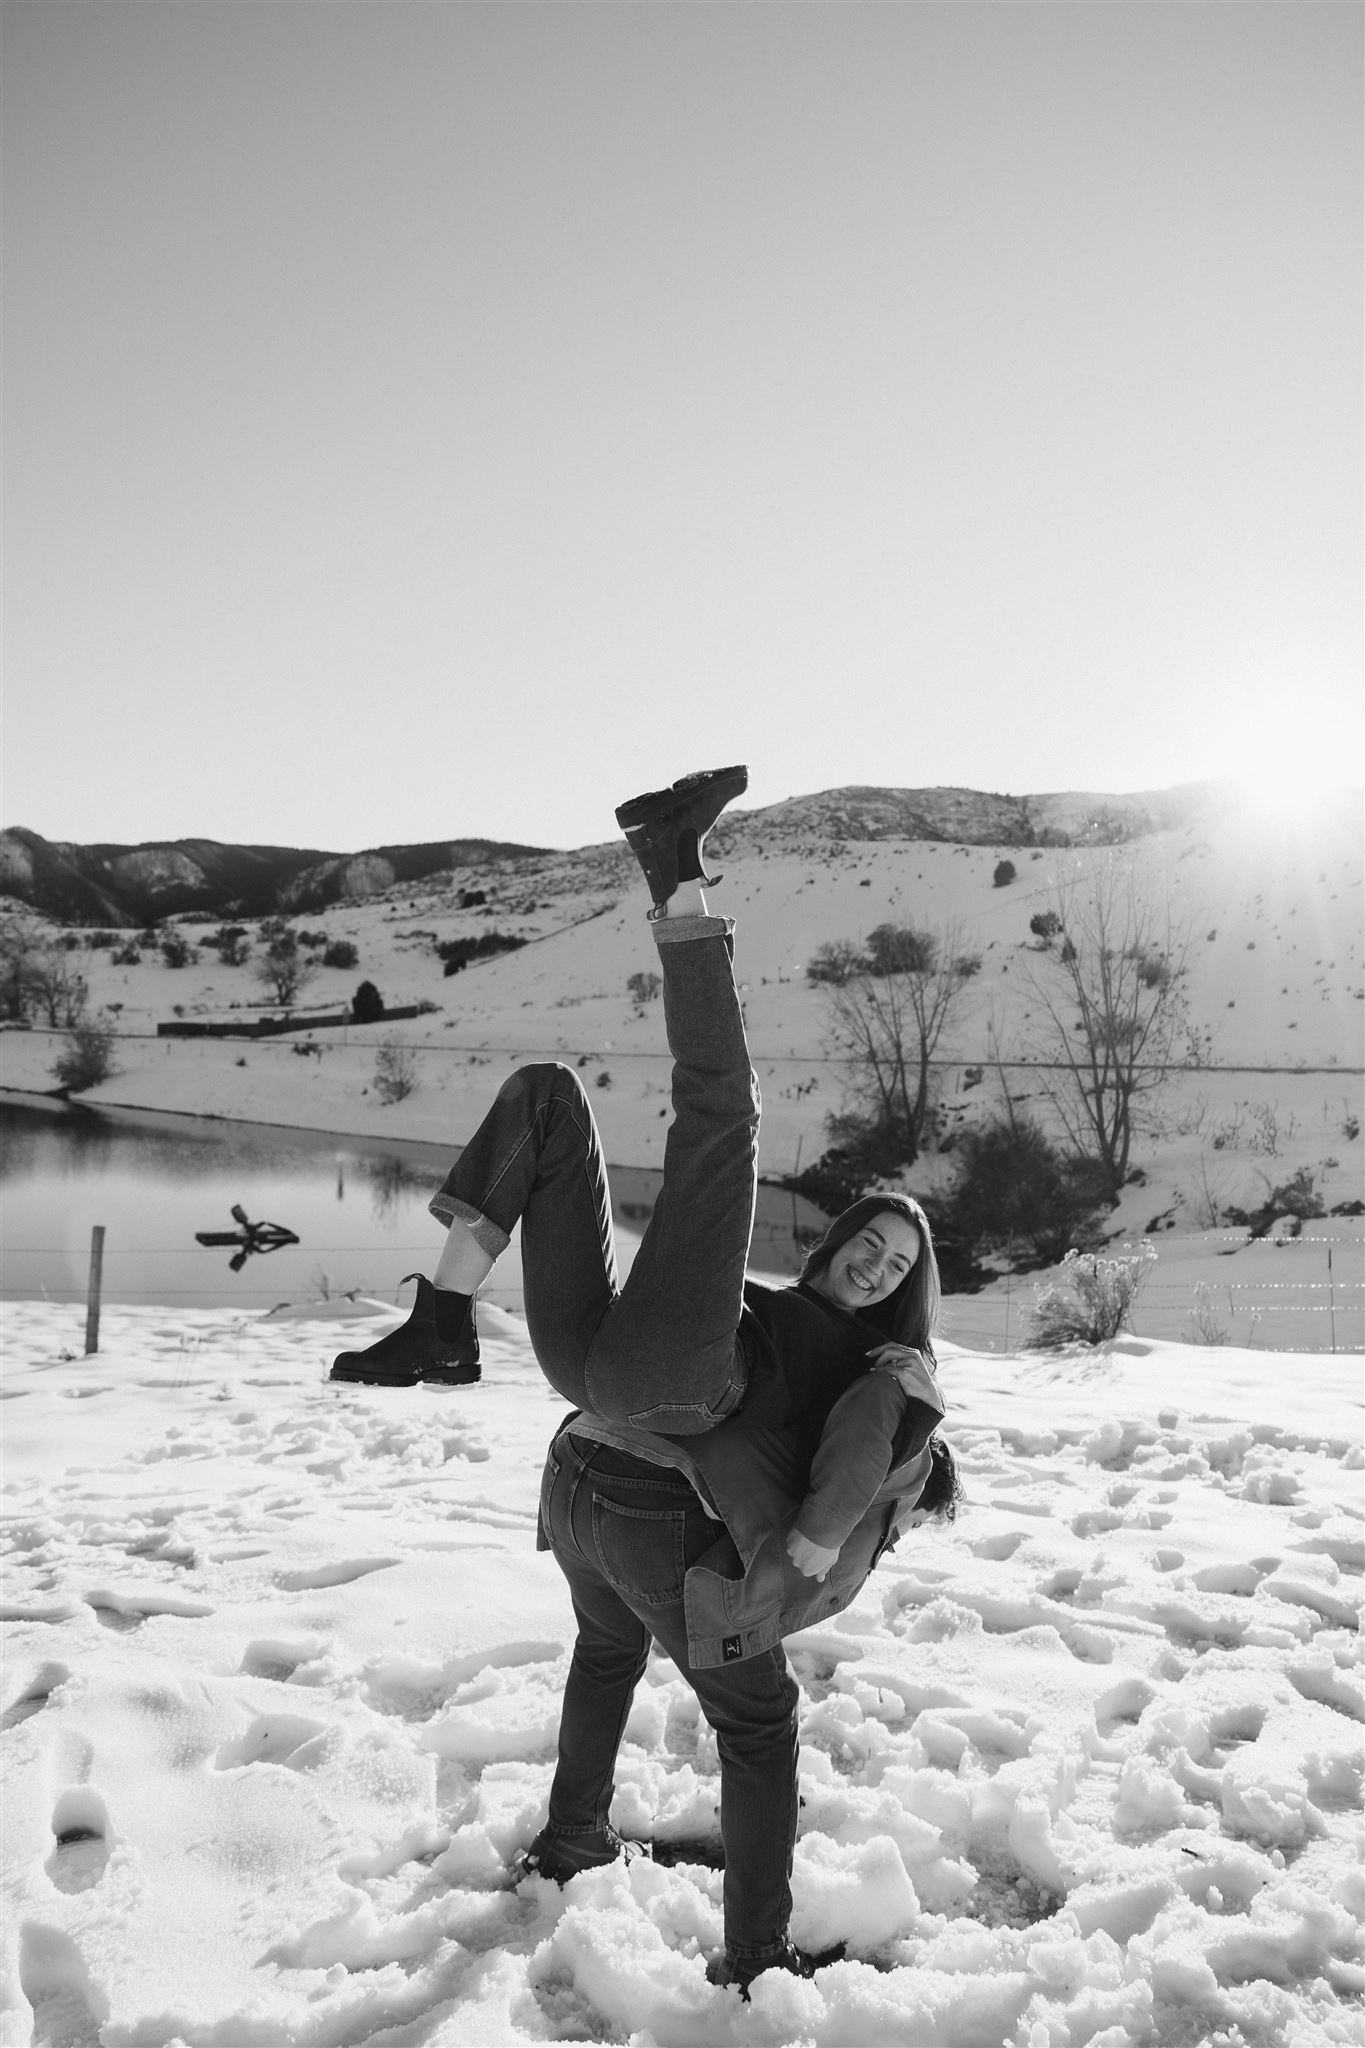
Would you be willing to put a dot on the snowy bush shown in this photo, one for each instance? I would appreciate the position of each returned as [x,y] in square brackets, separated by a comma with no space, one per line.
[1091,1301]
[836,962]
[1014,1186]
[900,949]
[395,1071]
[87,1056]
[232,944]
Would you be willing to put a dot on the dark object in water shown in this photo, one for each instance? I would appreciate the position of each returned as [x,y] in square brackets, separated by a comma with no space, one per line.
[251,1237]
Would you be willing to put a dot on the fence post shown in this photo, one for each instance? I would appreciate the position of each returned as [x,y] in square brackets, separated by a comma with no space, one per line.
[92,1302]
[1331,1298]
[1009,1277]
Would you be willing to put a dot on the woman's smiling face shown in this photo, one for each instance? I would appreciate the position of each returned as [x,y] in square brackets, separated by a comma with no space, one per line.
[873,1262]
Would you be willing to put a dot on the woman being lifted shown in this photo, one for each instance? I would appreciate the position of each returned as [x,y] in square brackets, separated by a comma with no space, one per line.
[739,1455]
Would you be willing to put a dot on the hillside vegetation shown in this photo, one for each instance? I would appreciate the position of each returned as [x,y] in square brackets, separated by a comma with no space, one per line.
[1272,986]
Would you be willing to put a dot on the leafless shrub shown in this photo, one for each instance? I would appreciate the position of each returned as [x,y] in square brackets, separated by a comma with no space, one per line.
[1090,1302]
[87,1056]
[395,1071]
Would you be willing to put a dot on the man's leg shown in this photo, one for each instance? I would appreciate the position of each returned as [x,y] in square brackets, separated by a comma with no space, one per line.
[754,1707]
[623,1544]
[624,1540]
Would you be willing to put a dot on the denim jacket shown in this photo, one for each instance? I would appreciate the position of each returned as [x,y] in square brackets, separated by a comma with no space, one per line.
[870,1463]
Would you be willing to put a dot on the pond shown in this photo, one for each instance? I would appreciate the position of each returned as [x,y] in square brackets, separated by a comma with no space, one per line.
[358,1208]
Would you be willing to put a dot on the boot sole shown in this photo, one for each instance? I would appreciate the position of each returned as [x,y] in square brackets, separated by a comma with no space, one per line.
[371,1379]
[724,783]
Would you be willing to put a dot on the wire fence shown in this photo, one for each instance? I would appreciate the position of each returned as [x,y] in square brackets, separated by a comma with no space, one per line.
[64,1281]
[287,1040]
[1304,1294]
[1301,1294]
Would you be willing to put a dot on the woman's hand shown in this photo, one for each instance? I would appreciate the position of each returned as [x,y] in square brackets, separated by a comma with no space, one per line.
[901,1359]
[812,1560]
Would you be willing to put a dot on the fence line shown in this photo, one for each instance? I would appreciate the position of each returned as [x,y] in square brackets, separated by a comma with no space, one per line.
[282,1040]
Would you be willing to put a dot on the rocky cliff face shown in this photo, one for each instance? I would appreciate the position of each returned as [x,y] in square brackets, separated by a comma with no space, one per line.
[362,875]
[157,871]
[966,817]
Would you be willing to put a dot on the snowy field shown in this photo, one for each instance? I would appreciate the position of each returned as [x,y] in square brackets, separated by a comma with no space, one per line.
[282,1691]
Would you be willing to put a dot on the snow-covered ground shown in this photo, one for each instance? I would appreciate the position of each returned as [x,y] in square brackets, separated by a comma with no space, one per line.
[282,1691]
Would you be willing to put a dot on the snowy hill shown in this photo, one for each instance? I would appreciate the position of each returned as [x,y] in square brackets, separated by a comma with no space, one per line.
[1274,908]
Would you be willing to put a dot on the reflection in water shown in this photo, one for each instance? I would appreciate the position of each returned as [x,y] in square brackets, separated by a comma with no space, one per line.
[150,1178]
[393,1183]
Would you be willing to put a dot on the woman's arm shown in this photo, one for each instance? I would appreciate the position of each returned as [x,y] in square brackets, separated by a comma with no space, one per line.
[853,1458]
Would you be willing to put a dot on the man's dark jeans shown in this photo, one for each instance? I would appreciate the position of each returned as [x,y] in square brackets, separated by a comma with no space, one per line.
[624,1542]
[661,1351]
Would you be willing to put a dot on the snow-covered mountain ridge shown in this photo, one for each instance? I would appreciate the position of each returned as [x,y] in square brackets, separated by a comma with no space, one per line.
[126,886]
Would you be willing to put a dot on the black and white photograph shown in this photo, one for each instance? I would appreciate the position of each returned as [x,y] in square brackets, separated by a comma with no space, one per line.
[682,1023]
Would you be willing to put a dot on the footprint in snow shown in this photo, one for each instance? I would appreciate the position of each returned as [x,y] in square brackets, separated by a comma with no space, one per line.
[277,1658]
[290,1739]
[1096,1522]
[80,1824]
[35,1695]
[339,1574]
[124,1611]
[68,2009]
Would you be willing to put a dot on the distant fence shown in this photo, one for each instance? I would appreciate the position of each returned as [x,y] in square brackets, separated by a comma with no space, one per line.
[274,1027]
[1318,1305]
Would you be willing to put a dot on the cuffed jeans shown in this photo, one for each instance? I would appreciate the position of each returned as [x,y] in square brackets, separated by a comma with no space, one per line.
[661,1351]
[624,1543]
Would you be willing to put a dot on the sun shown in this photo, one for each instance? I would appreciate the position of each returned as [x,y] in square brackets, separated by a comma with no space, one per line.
[1289,781]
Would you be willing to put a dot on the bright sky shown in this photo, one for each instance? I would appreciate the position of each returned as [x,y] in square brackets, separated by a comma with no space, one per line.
[452,418]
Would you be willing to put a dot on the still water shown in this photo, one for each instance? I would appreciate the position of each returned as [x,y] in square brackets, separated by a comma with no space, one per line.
[357,1206]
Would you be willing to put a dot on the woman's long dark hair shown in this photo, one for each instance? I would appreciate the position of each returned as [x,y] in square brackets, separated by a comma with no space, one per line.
[908,1316]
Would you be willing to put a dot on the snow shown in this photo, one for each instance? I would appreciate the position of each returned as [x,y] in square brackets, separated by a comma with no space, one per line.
[1083,1770]
[283,1679]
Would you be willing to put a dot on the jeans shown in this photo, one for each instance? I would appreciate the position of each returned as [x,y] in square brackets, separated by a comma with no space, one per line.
[624,1540]
[661,1351]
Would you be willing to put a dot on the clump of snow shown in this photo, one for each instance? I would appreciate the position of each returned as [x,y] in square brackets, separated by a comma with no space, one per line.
[283,1680]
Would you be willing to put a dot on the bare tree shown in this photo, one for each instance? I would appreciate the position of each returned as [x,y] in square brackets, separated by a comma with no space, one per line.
[886,1026]
[395,1071]
[284,968]
[20,938]
[37,975]
[1115,1017]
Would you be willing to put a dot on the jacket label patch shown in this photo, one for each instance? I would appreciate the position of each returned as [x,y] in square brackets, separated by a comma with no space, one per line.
[731,1648]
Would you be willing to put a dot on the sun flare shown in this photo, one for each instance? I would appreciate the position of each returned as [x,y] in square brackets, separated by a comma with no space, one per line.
[1289,783]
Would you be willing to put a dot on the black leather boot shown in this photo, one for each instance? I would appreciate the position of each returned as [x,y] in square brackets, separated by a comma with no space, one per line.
[738,1972]
[665,828]
[561,1857]
[415,1351]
